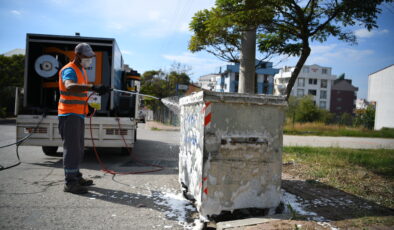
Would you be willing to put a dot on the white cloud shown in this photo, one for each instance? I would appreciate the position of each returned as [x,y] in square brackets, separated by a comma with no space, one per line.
[154,15]
[59,2]
[198,64]
[364,33]
[323,48]
[184,27]
[145,18]
[16,12]
[385,31]
[126,52]
[335,54]
[328,55]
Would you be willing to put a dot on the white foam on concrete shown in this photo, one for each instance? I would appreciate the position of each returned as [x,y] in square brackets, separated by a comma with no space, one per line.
[177,207]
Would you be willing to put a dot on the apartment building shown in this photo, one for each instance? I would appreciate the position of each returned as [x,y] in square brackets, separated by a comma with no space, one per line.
[227,80]
[208,81]
[313,80]
[343,96]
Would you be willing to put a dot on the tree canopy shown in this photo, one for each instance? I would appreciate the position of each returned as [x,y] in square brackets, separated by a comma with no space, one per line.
[11,76]
[297,23]
[283,26]
[219,30]
[163,84]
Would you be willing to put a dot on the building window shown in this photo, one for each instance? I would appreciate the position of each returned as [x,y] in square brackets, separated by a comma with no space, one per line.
[300,92]
[323,94]
[312,92]
[312,81]
[339,108]
[306,70]
[323,83]
[301,82]
[324,71]
[339,99]
[322,104]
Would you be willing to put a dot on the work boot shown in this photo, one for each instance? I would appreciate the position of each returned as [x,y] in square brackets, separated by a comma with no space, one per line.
[75,188]
[85,182]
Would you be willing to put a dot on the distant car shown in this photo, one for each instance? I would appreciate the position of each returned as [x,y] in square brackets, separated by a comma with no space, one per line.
[141,116]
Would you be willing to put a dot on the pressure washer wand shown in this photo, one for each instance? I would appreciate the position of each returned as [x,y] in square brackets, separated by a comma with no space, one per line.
[134,93]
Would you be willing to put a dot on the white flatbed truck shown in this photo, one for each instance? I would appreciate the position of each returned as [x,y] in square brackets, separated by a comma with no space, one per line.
[115,121]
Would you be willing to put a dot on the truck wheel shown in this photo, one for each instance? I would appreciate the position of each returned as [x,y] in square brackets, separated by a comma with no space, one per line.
[50,150]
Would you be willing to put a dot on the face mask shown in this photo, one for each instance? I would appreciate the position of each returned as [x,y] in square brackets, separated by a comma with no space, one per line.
[86,62]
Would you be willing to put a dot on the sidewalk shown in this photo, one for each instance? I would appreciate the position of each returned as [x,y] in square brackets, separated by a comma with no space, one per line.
[311,141]
[154,125]
[339,142]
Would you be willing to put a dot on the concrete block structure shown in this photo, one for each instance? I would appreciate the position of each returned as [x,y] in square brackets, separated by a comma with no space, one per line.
[381,92]
[231,150]
[313,80]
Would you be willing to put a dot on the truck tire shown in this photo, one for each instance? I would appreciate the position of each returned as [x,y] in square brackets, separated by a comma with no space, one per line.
[50,150]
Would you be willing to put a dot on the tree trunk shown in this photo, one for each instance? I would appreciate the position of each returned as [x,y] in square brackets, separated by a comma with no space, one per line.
[247,67]
[306,50]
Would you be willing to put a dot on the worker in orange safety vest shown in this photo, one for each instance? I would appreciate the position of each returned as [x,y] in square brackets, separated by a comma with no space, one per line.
[72,108]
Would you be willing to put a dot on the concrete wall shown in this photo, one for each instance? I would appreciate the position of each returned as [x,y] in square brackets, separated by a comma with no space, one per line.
[381,91]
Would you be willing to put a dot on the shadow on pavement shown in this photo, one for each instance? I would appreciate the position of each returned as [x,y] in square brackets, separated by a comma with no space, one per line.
[155,200]
[332,203]
[144,157]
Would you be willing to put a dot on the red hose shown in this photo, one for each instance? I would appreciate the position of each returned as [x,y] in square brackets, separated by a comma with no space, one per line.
[102,165]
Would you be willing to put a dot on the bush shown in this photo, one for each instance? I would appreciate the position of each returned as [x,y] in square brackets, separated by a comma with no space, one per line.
[306,110]
[326,117]
[345,119]
[365,117]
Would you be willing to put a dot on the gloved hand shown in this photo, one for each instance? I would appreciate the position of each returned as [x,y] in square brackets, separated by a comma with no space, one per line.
[101,89]
[91,110]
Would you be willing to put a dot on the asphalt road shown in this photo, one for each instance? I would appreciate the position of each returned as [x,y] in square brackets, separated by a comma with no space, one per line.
[32,197]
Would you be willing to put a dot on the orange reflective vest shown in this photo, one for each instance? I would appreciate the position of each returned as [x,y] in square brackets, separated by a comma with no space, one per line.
[72,102]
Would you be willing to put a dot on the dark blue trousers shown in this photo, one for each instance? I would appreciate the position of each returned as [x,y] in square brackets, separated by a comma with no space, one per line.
[72,131]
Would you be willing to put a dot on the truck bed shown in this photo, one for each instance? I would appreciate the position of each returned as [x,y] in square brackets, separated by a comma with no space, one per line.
[106,131]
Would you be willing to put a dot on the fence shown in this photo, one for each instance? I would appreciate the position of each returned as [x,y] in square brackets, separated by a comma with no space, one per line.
[164,115]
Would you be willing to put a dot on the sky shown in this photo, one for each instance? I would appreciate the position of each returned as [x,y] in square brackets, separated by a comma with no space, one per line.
[153,34]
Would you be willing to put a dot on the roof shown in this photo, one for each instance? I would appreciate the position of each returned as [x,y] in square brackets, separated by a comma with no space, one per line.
[381,69]
[344,85]
[207,77]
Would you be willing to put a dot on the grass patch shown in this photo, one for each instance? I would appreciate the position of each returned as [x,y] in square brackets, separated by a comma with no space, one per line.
[321,129]
[363,172]
[360,223]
